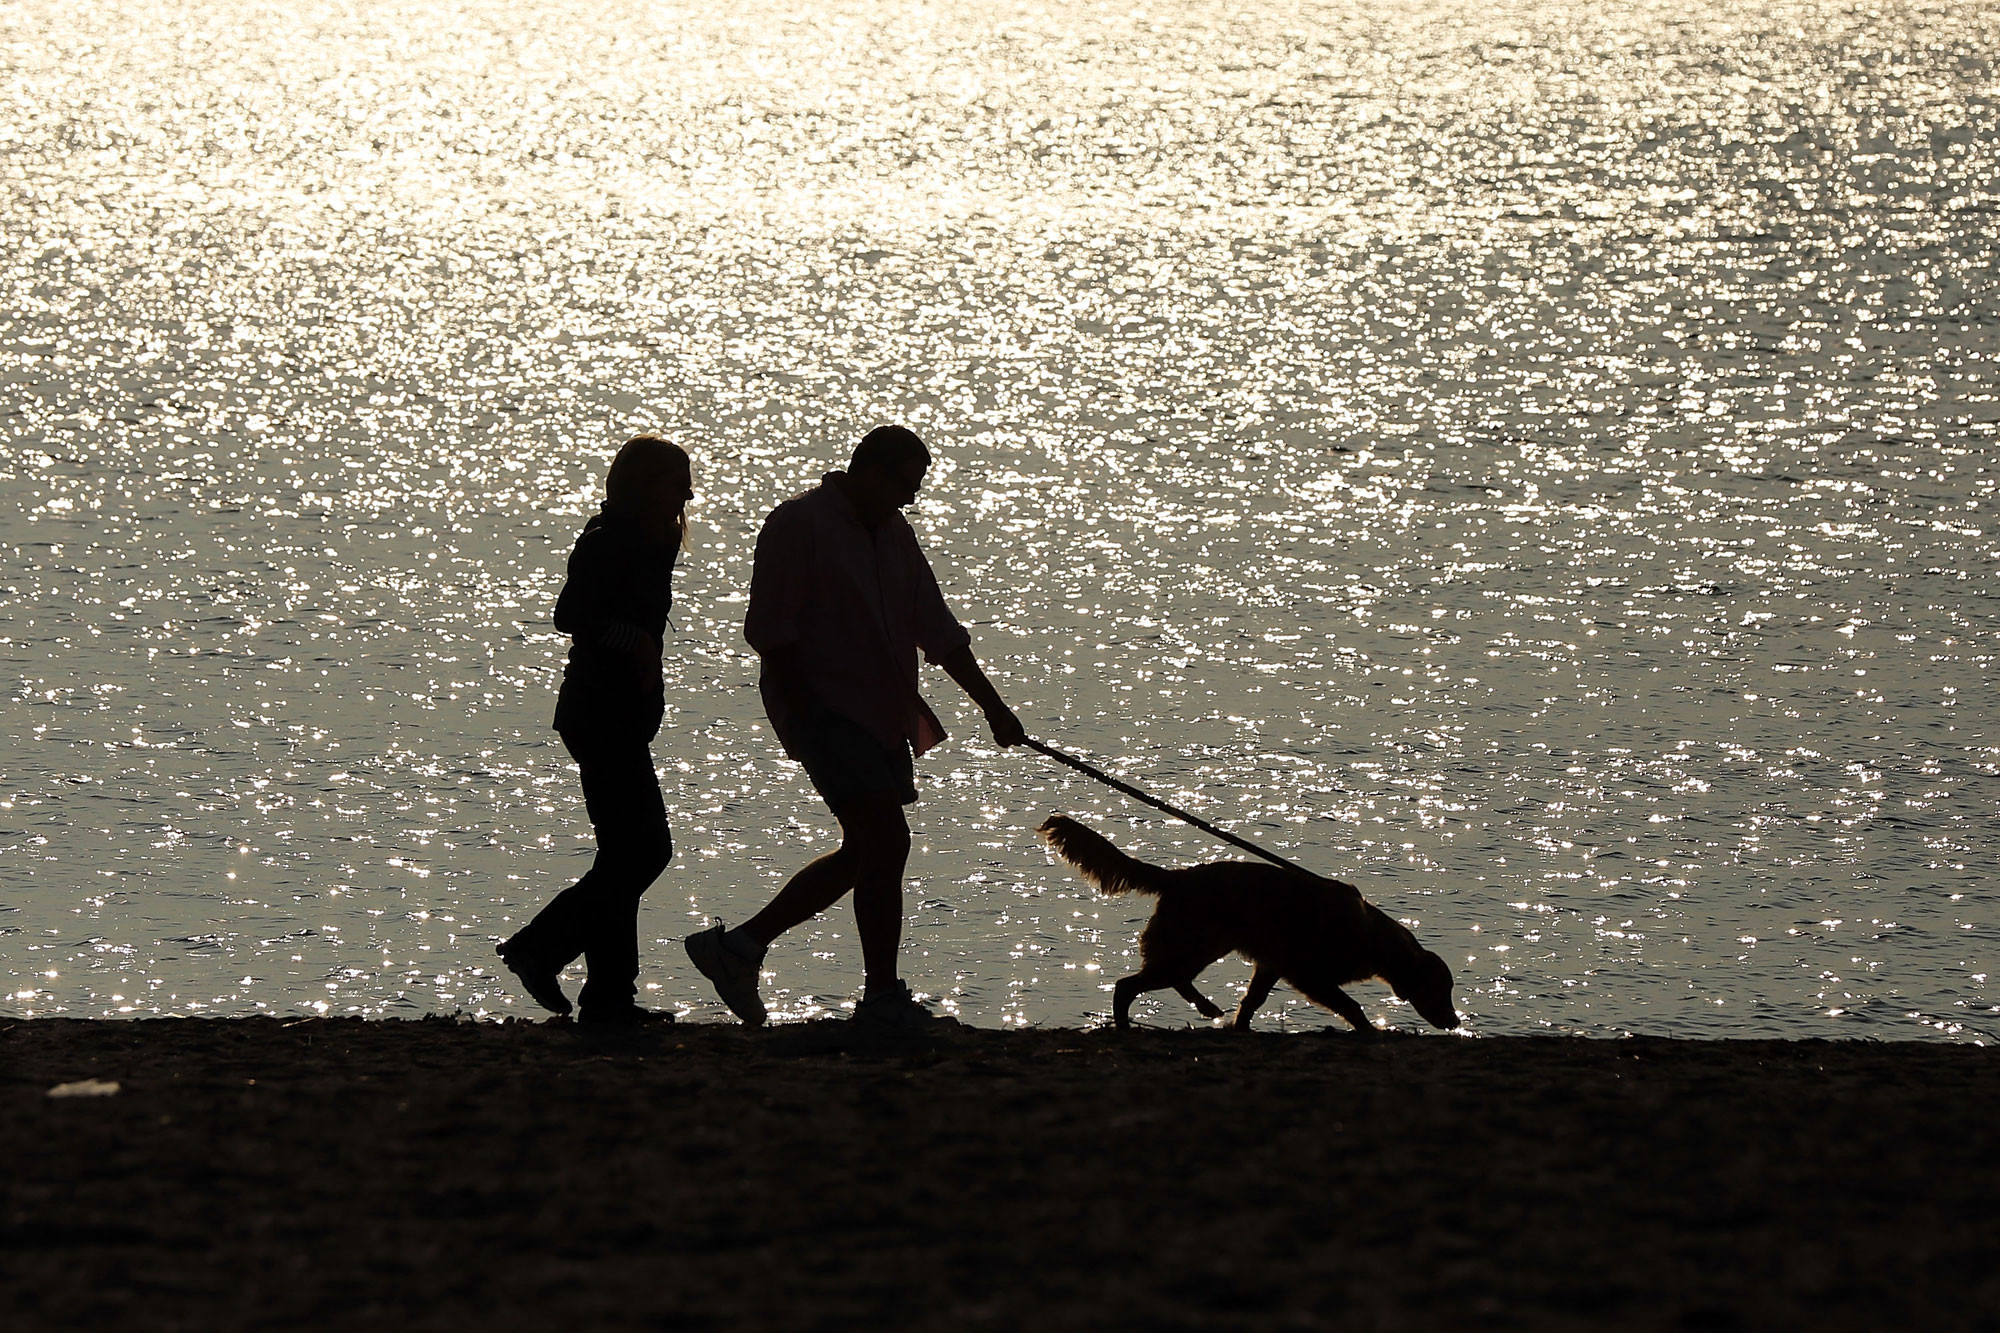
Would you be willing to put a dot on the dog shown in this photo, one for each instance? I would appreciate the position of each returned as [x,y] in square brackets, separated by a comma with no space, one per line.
[1316,933]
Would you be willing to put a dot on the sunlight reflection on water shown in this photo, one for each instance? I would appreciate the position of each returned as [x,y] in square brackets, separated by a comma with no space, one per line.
[1534,461]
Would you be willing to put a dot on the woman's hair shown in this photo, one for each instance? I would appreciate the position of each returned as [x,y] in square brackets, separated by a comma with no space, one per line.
[642,459]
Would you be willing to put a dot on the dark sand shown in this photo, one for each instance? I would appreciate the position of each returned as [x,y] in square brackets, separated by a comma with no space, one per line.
[327,1173]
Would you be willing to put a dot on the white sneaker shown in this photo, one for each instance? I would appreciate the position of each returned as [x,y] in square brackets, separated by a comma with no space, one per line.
[734,977]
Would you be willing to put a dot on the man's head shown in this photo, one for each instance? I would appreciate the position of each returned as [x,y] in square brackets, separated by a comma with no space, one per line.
[894,447]
[887,469]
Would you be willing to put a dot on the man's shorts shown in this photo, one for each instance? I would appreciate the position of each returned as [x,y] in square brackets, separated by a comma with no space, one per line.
[846,763]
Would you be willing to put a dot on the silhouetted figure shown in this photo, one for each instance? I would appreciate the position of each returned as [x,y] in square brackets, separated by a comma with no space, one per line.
[841,600]
[614,607]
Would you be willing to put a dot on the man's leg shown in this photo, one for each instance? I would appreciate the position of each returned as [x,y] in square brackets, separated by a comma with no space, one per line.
[822,883]
[874,848]
[881,836]
[875,842]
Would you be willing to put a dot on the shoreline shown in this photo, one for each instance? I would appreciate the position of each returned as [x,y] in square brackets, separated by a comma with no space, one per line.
[258,1172]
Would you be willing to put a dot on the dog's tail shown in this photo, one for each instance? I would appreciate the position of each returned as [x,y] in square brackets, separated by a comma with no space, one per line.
[1103,865]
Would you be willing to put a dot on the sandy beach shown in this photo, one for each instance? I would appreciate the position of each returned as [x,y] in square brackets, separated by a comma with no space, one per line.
[325,1173]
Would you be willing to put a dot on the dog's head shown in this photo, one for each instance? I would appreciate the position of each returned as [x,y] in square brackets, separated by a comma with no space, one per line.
[1425,982]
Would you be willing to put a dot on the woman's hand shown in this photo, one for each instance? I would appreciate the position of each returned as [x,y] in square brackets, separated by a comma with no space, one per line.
[635,653]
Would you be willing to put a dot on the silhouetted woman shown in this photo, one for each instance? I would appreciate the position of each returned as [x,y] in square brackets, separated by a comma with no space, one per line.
[614,607]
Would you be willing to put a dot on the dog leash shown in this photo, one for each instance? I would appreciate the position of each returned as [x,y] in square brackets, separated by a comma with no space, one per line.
[1073,762]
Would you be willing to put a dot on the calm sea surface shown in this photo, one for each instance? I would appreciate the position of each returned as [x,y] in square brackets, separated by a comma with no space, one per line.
[1540,461]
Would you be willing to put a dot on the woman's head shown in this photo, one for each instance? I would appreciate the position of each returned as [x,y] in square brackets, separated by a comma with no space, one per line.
[651,480]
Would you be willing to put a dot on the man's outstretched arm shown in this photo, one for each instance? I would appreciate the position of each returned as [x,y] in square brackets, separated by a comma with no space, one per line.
[963,667]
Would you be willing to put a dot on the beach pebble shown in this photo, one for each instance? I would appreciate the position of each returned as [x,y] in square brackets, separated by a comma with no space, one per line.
[90,1087]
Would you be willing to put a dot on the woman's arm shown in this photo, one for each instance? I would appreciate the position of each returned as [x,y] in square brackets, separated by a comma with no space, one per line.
[587,610]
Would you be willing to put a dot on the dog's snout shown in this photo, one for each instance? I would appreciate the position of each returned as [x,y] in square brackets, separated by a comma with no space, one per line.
[1438,1011]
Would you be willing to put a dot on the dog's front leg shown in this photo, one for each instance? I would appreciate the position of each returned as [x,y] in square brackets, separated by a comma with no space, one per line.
[1122,996]
[1206,1007]
[1344,1004]
[1261,982]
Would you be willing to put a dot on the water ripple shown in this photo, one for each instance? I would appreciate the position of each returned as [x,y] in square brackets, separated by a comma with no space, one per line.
[1535,461]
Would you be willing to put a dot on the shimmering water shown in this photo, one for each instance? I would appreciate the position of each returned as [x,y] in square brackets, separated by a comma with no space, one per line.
[1535,460]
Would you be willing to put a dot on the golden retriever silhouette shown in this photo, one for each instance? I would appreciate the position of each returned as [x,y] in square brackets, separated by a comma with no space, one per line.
[1316,933]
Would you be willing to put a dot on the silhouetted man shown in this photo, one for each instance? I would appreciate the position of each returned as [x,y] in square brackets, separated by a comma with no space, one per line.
[841,600]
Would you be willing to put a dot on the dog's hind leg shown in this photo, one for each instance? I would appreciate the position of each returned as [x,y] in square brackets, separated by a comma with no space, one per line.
[1174,949]
[1154,977]
[1206,1007]
[1129,989]
[1261,982]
